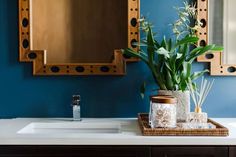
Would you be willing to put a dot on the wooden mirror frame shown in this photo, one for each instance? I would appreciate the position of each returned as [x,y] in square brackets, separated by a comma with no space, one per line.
[40,67]
[217,67]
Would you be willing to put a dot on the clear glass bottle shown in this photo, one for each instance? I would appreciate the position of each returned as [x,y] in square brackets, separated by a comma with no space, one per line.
[163,112]
[194,117]
[76,107]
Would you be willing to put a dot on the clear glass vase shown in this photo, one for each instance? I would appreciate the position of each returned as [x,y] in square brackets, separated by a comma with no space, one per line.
[162,112]
[195,117]
[183,103]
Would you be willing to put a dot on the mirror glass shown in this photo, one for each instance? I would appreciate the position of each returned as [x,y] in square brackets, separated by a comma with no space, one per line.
[78,31]
[222,27]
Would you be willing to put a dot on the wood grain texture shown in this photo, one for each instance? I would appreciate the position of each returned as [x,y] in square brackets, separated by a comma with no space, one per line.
[79,31]
[69,34]
[74,151]
[232,151]
[114,151]
[190,151]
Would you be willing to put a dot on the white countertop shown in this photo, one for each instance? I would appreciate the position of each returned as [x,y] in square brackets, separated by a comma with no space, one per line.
[130,135]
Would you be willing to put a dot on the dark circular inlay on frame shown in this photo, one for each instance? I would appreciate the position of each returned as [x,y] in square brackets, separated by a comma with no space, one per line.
[203,43]
[134,22]
[25,43]
[133,43]
[105,69]
[203,23]
[209,56]
[231,69]
[55,69]
[80,69]
[32,55]
[25,22]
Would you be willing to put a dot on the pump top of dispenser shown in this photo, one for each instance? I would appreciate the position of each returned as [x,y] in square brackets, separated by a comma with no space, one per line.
[75,100]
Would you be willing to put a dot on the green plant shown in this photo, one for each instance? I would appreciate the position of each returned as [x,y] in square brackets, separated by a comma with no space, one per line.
[170,61]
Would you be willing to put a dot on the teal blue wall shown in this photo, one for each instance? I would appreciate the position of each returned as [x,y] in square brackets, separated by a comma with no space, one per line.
[23,95]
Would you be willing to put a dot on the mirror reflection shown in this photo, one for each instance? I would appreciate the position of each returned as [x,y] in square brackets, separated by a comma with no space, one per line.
[222,27]
[79,31]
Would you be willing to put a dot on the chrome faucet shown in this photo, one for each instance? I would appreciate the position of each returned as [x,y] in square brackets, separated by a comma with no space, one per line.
[76,107]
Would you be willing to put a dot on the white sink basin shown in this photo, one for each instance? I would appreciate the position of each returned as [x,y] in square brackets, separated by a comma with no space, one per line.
[70,127]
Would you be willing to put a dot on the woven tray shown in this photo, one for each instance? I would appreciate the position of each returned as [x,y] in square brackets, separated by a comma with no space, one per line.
[148,131]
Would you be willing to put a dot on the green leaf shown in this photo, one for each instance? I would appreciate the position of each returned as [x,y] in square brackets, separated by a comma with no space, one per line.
[196,50]
[169,82]
[182,84]
[169,45]
[206,49]
[150,62]
[187,68]
[151,48]
[150,45]
[130,52]
[142,90]
[185,75]
[168,66]
[183,50]
[157,44]
[179,55]
[172,62]
[163,52]
[200,51]
[163,43]
[177,79]
[218,48]
[158,74]
[187,40]
[141,43]
[196,75]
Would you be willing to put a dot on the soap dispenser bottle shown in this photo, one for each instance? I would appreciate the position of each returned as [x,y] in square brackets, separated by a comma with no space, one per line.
[76,107]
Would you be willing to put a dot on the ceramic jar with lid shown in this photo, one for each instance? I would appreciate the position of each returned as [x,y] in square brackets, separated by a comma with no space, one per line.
[163,112]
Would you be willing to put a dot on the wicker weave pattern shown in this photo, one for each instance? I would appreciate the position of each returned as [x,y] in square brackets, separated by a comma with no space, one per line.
[148,131]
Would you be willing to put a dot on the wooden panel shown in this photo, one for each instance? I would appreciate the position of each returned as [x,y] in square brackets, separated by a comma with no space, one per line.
[117,151]
[204,151]
[232,151]
[73,151]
